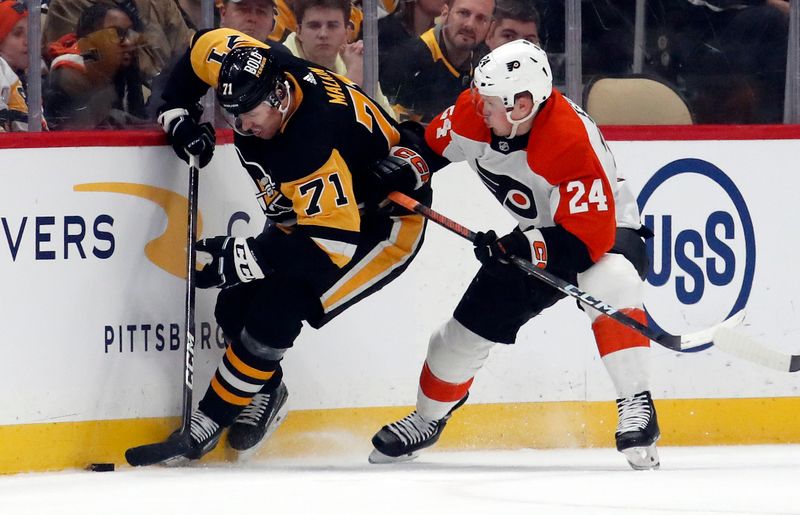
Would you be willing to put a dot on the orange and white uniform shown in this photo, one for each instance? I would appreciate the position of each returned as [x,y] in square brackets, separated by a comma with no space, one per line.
[559,179]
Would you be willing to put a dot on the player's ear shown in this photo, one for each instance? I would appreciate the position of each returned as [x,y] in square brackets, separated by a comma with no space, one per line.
[523,105]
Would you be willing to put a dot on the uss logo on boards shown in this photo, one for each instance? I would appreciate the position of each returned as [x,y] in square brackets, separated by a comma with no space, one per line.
[703,255]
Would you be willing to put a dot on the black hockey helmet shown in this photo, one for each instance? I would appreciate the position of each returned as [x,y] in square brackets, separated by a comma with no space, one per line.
[246,77]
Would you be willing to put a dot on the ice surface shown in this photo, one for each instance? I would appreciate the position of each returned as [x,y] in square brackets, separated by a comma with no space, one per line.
[692,480]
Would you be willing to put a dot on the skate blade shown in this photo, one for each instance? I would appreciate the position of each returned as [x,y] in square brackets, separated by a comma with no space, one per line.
[642,458]
[376,457]
[247,454]
[177,461]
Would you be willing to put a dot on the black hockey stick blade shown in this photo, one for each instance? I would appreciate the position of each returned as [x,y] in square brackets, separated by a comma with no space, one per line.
[169,452]
[670,341]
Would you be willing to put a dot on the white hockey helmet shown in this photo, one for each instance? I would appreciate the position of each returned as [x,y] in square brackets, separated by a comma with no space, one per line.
[515,67]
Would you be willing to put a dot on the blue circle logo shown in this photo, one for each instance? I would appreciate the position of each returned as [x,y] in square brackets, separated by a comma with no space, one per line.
[703,255]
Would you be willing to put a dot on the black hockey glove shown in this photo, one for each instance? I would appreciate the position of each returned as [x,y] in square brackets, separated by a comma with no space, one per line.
[232,262]
[402,170]
[528,245]
[187,136]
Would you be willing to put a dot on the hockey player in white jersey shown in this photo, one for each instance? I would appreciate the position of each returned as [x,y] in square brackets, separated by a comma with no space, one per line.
[546,162]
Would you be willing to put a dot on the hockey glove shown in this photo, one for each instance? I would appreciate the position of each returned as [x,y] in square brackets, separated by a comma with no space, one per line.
[232,262]
[528,245]
[402,170]
[187,137]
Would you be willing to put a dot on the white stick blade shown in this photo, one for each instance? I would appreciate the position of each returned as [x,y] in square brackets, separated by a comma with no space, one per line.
[691,340]
[743,346]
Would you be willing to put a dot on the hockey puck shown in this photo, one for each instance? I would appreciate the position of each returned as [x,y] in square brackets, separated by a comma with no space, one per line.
[101,467]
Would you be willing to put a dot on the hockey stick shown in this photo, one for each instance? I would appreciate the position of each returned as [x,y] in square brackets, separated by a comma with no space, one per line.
[670,341]
[191,262]
[747,348]
[148,454]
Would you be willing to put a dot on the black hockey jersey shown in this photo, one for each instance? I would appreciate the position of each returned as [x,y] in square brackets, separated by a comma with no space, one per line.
[311,175]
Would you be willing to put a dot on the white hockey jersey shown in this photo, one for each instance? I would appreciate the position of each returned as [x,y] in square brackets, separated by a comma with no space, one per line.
[13,108]
[560,173]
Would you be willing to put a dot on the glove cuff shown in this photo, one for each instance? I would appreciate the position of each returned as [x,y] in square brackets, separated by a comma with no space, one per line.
[415,163]
[244,261]
[537,247]
[168,117]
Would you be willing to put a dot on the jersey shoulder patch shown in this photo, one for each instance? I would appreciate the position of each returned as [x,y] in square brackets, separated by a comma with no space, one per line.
[210,48]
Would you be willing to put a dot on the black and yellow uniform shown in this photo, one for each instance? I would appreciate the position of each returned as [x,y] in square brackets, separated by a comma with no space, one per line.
[325,251]
[419,80]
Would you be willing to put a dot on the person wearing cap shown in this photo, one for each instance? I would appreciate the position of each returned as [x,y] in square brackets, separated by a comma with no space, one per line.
[322,156]
[13,64]
[256,18]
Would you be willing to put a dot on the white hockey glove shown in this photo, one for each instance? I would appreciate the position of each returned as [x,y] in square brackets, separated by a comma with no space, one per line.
[232,262]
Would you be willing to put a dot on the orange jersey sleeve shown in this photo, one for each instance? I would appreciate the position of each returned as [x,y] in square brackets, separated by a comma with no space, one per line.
[582,201]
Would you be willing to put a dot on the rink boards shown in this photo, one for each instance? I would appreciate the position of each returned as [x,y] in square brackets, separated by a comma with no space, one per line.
[92,309]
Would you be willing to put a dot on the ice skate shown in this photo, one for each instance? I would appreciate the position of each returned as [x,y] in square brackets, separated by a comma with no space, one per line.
[258,421]
[402,440]
[637,431]
[179,448]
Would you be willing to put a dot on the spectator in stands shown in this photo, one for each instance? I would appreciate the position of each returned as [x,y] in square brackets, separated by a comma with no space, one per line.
[413,18]
[164,33]
[730,56]
[13,65]
[321,38]
[286,22]
[424,75]
[95,81]
[256,18]
[513,19]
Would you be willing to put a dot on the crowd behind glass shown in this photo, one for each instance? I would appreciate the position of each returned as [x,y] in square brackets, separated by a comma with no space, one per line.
[103,62]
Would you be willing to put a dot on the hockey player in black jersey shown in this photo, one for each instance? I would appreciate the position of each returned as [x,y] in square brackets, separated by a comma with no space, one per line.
[322,155]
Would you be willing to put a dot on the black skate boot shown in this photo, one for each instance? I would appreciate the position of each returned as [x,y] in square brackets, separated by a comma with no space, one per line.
[637,431]
[179,448]
[258,420]
[402,440]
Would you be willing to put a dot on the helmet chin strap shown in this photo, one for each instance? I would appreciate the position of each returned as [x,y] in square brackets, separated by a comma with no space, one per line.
[516,123]
[285,110]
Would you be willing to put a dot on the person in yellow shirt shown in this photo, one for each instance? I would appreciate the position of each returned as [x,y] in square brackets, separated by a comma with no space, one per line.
[321,38]
[286,22]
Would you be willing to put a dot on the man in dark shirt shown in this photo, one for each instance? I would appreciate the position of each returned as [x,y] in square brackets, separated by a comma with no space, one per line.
[425,75]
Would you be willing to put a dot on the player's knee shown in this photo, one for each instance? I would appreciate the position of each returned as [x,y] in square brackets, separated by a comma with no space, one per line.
[613,280]
[455,353]
[262,350]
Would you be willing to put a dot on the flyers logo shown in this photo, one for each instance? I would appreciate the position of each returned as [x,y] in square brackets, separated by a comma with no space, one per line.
[168,250]
[515,196]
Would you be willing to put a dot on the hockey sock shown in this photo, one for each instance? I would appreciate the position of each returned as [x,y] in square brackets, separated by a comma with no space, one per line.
[238,378]
[455,354]
[625,352]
